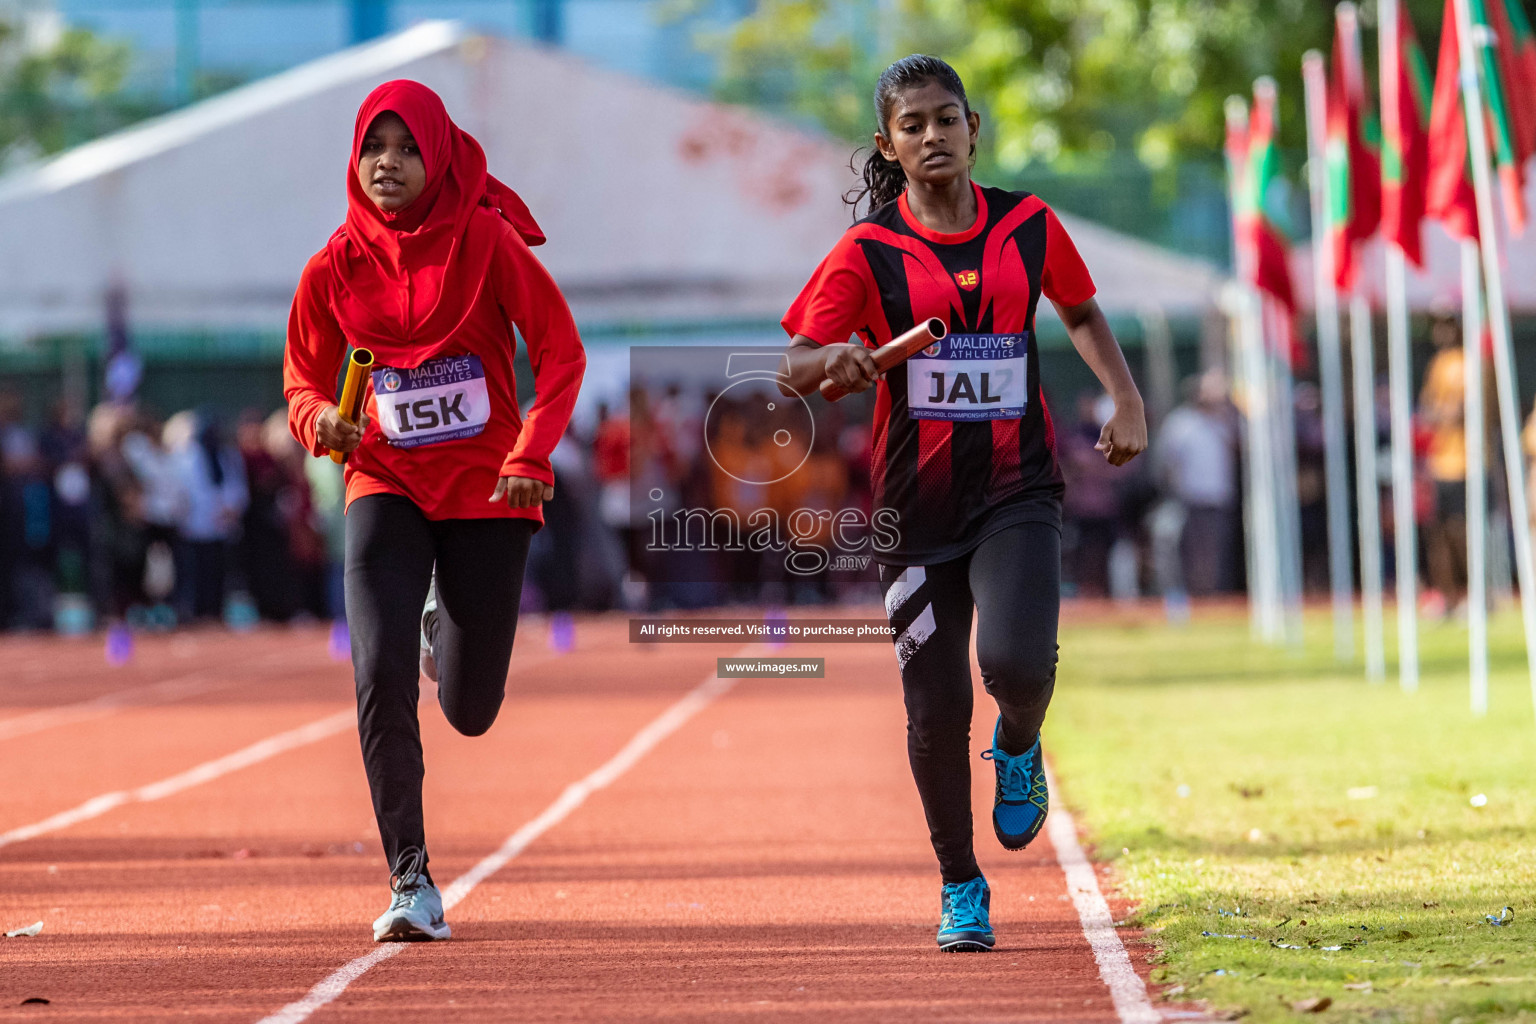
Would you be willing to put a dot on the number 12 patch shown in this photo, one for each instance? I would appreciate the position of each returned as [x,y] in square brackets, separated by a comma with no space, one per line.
[969,377]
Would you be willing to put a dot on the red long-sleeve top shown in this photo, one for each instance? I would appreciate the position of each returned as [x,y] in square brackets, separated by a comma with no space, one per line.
[450,479]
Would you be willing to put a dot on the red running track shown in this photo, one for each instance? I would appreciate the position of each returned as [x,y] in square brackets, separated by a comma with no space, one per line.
[765,861]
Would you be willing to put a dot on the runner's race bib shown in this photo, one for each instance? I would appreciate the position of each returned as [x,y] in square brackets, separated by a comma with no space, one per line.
[969,377]
[443,399]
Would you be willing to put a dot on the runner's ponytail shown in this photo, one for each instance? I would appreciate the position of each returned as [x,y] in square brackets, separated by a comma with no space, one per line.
[884,180]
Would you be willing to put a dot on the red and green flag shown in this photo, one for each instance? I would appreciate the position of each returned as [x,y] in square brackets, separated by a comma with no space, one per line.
[1509,84]
[1522,44]
[1263,251]
[1405,106]
[1450,197]
[1236,147]
[1354,169]
[1254,160]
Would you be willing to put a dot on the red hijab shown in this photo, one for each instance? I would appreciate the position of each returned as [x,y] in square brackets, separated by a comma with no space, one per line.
[404,281]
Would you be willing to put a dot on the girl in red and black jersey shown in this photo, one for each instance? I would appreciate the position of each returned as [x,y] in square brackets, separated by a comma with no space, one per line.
[964,449]
[431,271]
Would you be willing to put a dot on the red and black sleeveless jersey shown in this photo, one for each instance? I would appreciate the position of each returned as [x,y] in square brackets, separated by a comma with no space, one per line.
[963,442]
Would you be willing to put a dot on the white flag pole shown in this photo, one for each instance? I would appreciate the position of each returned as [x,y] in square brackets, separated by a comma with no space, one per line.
[1288,503]
[1262,585]
[1237,354]
[1405,535]
[1234,304]
[1275,331]
[1367,497]
[1498,320]
[1399,371]
[1477,485]
[1261,452]
[1330,365]
[1367,481]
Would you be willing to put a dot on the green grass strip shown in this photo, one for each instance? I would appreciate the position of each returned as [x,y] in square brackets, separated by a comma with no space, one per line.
[1244,790]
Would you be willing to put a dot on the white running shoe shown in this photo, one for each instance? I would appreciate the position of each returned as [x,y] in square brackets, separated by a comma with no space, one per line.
[415,912]
[428,627]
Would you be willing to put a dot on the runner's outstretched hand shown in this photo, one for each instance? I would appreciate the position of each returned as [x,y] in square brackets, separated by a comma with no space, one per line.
[522,491]
[1125,435]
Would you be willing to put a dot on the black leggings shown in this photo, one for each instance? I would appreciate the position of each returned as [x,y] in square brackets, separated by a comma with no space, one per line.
[391,548]
[1013,580]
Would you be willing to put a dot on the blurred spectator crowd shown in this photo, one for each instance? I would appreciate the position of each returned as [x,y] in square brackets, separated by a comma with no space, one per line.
[676,451]
[1171,522]
[120,516]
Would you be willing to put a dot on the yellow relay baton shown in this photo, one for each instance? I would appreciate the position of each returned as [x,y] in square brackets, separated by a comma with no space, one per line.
[351,404]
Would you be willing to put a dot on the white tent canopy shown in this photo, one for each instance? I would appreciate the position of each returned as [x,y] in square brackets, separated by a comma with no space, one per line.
[660,208]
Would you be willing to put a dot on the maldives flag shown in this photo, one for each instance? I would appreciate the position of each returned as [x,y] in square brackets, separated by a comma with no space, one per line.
[1450,199]
[1269,262]
[1354,170]
[1520,44]
[1236,147]
[1509,73]
[1405,104]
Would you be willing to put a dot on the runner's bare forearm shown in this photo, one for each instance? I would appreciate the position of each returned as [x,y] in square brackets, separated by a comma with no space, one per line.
[1095,342]
[807,366]
[850,366]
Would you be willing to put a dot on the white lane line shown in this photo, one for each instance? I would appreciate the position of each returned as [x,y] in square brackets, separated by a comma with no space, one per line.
[664,725]
[99,707]
[205,772]
[334,984]
[1125,986]
[191,684]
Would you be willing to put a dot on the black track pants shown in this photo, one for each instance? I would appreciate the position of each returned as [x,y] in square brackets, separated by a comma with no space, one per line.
[391,548]
[1013,581]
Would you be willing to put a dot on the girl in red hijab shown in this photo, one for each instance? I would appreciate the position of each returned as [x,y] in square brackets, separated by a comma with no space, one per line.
[431,271]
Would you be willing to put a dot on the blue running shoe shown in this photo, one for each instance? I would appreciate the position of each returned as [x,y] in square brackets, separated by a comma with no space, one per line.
[964,926]
[1018,812]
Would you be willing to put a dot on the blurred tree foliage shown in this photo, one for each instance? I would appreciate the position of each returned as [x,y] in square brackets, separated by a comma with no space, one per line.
[60,91]
[1074,83]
